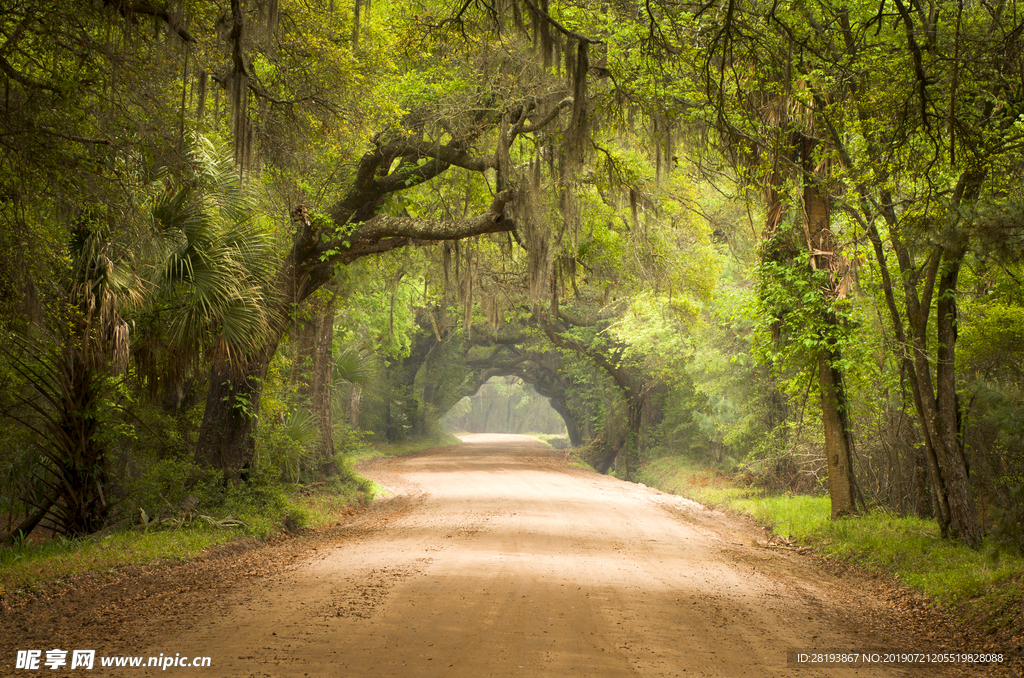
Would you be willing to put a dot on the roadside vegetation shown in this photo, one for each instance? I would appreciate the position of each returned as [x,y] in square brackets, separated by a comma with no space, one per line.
[180,514]
[984,585]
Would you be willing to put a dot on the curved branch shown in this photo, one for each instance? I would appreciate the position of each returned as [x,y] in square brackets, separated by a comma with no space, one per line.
[451,154]
[559,27]
[26,81]
[523,128]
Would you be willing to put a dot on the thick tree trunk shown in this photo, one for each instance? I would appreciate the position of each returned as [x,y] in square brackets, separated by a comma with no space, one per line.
[963,516]
[837,438]
[835,410]
[633,390]
[572,427]
[232,408]
[312,372]
[26,526]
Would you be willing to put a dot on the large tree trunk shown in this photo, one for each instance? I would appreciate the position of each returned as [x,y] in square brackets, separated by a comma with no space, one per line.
[835,411]
[963,516]
[837,438]
[312,371]
[572,427]
[232,408]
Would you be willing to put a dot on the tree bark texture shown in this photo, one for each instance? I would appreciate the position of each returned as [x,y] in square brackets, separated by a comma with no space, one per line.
[837,439]
[313,369]
[355,392]
[835,410]
[937,404]
[964,523]
[232,408]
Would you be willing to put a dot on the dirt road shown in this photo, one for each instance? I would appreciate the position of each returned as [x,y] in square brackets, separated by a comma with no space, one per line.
[496,558]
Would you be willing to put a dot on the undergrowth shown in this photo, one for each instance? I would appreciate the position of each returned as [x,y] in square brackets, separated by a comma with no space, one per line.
[403,448]
[176,512]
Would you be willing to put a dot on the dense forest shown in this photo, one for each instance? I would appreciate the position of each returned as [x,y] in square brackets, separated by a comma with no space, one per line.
[241,238]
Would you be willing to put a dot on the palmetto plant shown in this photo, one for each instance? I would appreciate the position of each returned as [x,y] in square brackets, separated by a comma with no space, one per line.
[354,368]
[191,270]
[211,264]
[65,375]
[300,427]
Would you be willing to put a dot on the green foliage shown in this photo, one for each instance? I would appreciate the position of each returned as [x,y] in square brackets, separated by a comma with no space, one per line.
[284,445]
[348,441]
[1009,526]
[260,501]
[32,567]
[166,484]
[795,316]
[212,262]
[145,217]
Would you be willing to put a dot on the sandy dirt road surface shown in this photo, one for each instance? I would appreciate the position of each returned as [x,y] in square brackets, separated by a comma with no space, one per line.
[493,558]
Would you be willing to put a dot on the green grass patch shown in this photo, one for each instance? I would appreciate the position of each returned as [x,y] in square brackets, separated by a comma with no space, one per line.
[25,566]
[260,509]
[322,504]
[990,578]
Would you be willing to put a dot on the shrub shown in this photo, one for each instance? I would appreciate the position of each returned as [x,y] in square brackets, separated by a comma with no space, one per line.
[167,483]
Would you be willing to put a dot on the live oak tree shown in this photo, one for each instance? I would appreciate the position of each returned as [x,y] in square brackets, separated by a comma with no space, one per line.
[422,148]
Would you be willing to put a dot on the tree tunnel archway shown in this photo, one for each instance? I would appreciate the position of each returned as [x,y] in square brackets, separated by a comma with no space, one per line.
[504,404]
[444,365]
[538,369]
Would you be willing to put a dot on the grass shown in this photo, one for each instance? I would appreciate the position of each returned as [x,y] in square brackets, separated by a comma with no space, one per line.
[25,567]
[988,582]
[264,511]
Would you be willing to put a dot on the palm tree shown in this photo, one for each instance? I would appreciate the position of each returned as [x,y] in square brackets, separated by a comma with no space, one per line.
[211,265]
[66,374]
[193,271]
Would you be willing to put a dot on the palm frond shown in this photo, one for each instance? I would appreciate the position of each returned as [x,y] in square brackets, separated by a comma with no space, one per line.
[354,366]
